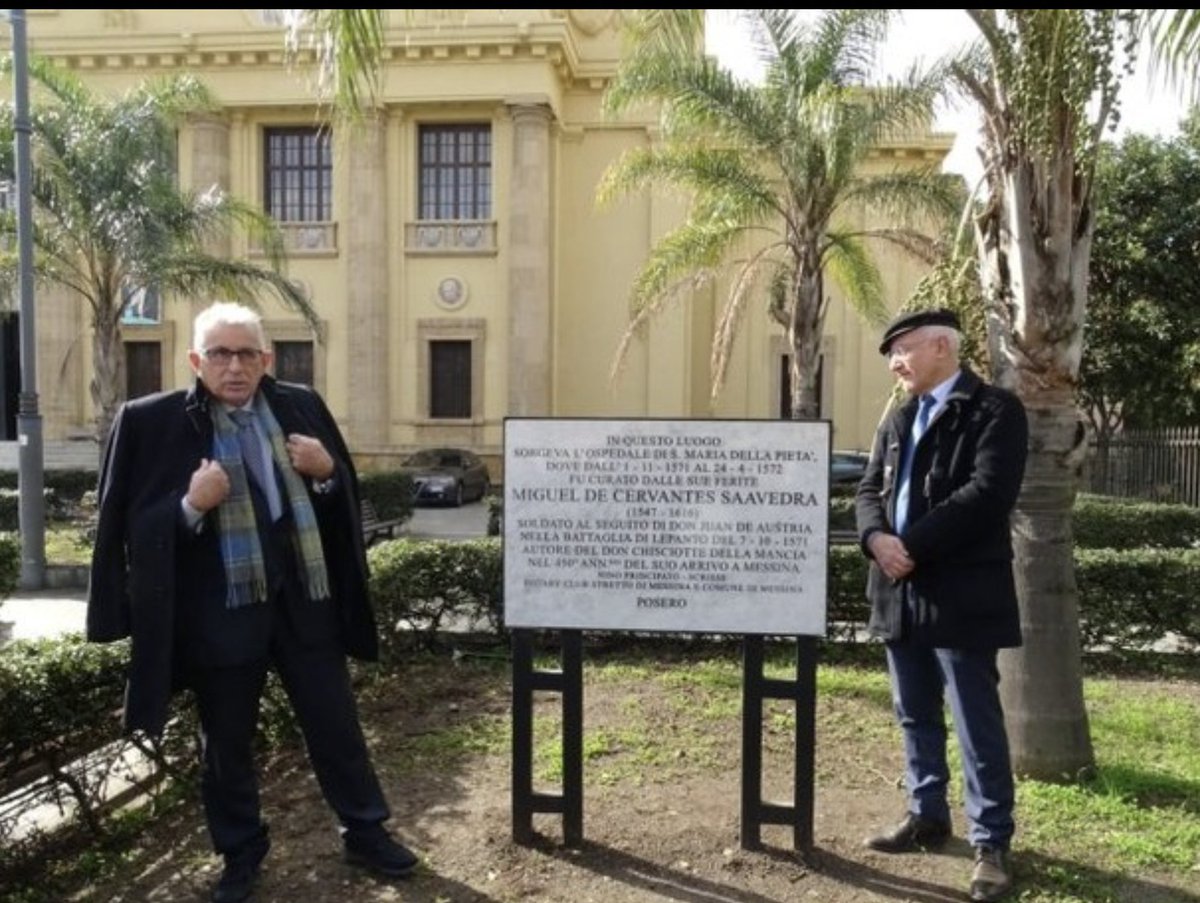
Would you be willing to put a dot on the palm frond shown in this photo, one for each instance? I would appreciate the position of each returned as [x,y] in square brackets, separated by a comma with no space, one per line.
[785,155]
[676,32]
[201,276]
[916,244]
[733,312]
[641,317]
[908,196]
[349,44]
[108,212]
[692,246]
[848,262]
[697,100]
[723,181]
[1173,39]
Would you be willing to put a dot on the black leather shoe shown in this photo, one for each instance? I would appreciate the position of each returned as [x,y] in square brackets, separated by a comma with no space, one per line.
[377,852]
[240,874]
[914,833]
[992,878]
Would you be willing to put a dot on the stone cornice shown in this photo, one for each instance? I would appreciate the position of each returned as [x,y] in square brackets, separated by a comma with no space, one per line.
[928,148]
[552,42]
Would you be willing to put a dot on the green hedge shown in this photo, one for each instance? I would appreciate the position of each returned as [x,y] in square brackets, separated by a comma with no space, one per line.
[68,486]
[1127,598]
[10,563]
[841,512]
[421,588]
[60,699]
[391,492]
[1132,597]
[10,507]
[1103,522]
[1098,522]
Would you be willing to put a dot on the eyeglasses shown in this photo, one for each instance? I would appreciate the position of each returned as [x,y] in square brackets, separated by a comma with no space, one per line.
[906,351]
[223,357]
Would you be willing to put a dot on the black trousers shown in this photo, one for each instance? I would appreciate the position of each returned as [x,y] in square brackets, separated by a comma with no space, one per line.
[317,683]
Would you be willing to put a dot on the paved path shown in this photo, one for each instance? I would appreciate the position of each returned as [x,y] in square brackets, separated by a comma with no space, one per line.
[40,613]
[68,454]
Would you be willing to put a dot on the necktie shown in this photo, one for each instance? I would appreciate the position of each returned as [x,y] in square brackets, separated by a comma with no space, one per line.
[914,436]
[252,455]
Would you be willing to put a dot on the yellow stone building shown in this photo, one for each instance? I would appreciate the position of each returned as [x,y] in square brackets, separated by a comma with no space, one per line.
[451,244]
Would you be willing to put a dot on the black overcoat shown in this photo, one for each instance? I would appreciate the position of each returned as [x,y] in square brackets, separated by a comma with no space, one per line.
[965,480]
[163,585]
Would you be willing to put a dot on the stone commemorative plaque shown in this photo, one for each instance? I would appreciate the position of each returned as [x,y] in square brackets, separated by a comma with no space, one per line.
[711,526]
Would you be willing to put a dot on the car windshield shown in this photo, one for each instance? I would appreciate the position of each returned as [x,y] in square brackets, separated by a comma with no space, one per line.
[434,458]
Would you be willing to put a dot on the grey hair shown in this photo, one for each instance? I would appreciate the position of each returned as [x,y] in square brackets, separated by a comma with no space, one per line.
[226,313]
[952,336]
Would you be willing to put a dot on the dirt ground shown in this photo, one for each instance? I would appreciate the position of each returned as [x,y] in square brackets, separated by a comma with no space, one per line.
[661,806]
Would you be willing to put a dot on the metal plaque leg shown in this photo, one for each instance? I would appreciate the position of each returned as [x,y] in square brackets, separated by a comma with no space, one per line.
[803,691]
[568,682]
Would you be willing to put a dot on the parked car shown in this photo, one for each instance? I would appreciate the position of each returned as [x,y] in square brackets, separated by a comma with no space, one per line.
[447,475]
[847,467]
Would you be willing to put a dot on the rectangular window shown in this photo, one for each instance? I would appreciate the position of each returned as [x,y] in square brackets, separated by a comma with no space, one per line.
[294,362]
[142,305]
[450,379]
[298,175]
[143,368]
[456,172]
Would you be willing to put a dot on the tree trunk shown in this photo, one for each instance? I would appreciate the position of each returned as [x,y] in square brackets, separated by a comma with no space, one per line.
[108,370]
[803,373]
[1042,682]
[1033,257]
[804,336]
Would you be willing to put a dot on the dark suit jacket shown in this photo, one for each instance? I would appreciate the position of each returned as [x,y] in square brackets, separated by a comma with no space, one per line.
[964,484]
[162,584]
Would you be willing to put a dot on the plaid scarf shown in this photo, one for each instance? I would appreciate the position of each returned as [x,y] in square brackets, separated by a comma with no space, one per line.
[241,549]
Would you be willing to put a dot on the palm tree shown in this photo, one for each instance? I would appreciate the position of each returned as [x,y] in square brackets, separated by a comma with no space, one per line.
[776,167]
[1173,39]
[1046,81]
[108,214]
[349,46]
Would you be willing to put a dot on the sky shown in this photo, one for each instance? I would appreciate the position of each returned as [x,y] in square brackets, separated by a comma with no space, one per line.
[925,34]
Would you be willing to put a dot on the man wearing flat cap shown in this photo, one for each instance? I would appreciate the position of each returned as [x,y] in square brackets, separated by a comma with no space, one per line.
[933,514]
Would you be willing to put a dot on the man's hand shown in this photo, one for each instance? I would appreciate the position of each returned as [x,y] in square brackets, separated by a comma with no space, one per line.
[308,457]
[208,487]
[890,554]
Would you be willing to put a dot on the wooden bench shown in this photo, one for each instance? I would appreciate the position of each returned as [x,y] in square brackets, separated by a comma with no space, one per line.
[375,529]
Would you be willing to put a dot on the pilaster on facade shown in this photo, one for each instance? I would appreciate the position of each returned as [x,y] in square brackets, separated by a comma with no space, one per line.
[211,165]
[530,313]
[366,274]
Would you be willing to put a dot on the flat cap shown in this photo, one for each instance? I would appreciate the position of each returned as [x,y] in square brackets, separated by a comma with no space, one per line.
[915,319]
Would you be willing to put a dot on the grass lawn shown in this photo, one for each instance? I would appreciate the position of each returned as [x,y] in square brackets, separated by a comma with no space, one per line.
[67,544]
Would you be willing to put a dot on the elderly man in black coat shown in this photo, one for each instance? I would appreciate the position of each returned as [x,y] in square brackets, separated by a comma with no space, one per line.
[229,542]
[933,513]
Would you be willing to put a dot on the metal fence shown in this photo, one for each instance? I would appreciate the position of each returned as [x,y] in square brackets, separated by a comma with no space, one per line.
[1161,465]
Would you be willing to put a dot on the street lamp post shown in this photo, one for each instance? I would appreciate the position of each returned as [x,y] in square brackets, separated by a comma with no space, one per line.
[30,477]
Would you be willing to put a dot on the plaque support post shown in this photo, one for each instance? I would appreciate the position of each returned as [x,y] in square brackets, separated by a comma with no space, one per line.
[568,682]
[803,691]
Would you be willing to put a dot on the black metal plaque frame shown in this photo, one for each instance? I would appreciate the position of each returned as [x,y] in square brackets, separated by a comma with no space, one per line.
[568,682]
[803,691]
